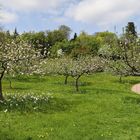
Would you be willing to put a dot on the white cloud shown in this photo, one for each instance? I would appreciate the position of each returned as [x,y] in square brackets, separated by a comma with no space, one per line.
[31,5]
[52,7]
[7,17]
[103,12]
[100,12]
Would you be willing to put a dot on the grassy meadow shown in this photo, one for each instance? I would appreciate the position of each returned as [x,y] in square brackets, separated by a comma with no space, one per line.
[104,109]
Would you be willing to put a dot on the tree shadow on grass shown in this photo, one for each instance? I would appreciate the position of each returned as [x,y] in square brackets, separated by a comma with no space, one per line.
[85,88]
[133,82]
[5,135]
[130,81]
[27,79]
[102,91]
[20,88]
[72,83]
[132,100]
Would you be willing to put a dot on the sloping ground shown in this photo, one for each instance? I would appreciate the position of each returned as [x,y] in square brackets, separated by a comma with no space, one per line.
[136,88]
[104,109]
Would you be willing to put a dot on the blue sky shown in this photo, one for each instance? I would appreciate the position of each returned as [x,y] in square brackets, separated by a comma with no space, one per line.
[80,15]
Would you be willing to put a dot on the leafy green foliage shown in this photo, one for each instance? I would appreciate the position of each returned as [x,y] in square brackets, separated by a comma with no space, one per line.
[37,40]
[85,44]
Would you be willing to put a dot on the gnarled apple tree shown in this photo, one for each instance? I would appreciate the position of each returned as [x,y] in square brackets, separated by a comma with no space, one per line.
[74,67]
[15,56]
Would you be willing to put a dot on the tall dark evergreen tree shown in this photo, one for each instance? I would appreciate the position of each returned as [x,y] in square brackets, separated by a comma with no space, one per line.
[75,36]
[15,33]
[131,29]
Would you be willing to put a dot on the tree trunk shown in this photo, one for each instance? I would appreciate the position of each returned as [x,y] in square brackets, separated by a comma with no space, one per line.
[120,79]
[1,95]
[1,76]
[66,79]
[77,83]
[10,83]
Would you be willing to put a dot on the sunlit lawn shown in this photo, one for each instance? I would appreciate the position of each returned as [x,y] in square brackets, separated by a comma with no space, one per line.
[104,109]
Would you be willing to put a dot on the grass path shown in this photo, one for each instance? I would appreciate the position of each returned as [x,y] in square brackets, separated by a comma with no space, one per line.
[136,88]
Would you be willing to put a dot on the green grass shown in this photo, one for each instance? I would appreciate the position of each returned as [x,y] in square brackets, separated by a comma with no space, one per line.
[104,109]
